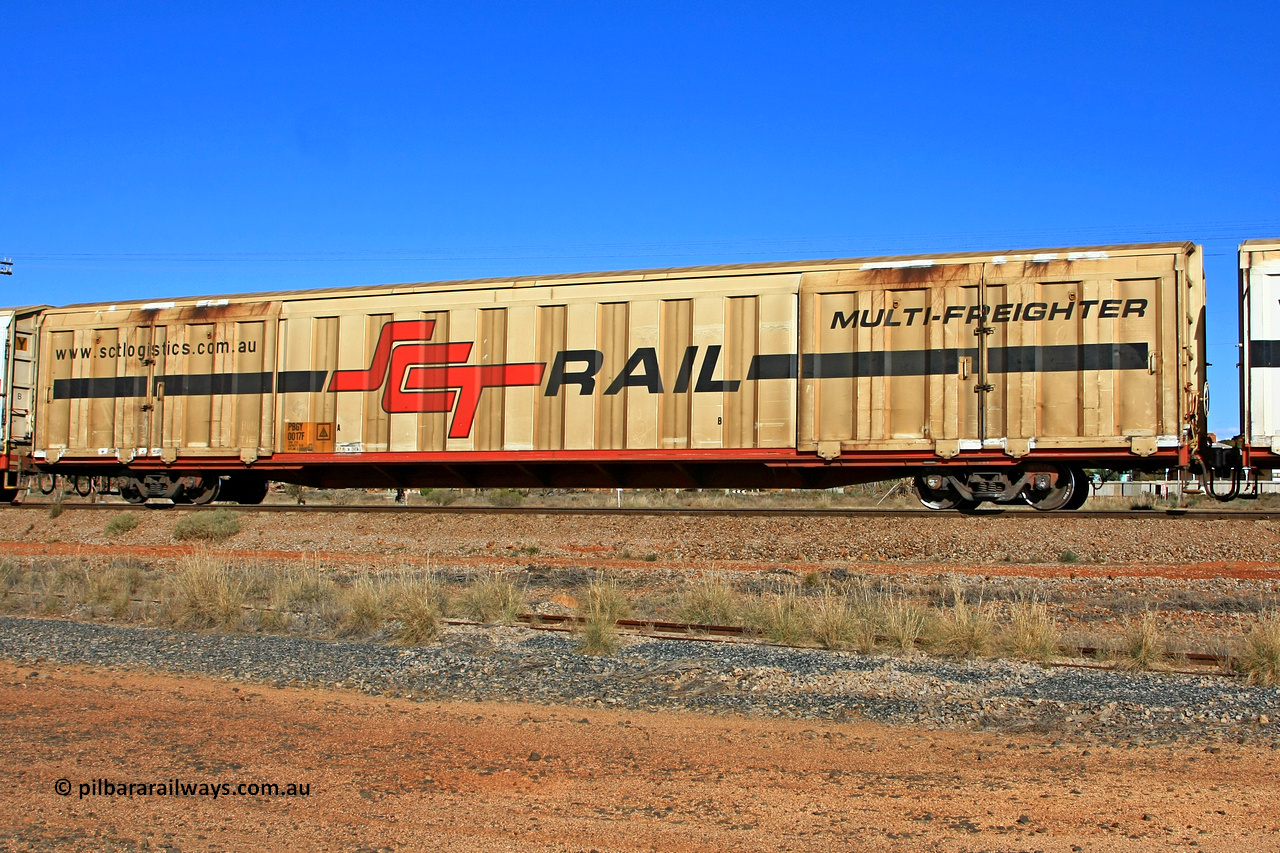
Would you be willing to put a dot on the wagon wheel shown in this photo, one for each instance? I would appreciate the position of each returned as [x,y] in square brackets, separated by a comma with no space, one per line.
[1084,487]
[130,492]
[245,491]
[1060,496]
[942,498]
[46,483]
[83,486]
[206,492]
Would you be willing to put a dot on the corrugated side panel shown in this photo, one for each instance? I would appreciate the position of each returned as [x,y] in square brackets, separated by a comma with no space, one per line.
[1264,347]
[632,366]
[550,337]
[55,413]
[491,349]
[134,382]
[433,427]
[878,368]
[1078,353]
[676,336]
[613,336]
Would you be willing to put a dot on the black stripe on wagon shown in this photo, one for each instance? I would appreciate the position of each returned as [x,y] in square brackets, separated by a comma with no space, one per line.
[1067,358]
[1049,359]
[779,366]
[1264,353]
[191,384]
[175,385]
[836,365]
[209,384]
[300,381]
[105,386]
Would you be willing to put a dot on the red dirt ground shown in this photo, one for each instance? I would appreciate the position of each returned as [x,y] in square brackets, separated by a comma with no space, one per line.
[395,774]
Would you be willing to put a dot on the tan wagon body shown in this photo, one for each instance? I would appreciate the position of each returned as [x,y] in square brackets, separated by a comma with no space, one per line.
[805,373]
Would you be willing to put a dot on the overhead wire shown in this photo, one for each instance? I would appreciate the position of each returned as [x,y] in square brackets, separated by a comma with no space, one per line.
[740,247]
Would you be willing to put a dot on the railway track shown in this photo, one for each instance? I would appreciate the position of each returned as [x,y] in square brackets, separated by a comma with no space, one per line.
[738,633]
[674,512]
[697,632]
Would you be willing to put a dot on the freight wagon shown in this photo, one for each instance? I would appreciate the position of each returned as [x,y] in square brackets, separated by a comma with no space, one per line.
[1260,354]
[986,376]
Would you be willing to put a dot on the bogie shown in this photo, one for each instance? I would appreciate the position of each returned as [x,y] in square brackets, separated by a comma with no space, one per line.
[1045,488]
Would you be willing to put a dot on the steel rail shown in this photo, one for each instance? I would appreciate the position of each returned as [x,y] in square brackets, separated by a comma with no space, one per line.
[689,631]
[678,512]
[663,630]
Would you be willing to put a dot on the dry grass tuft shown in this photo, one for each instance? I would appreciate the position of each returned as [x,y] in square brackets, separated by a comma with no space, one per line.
[205,593]
[505,497]
[605,601]
[866,608]
[1260,659]
[295,591]
[781,618]
[710,600]
[121,524]
[1144,648]
[491,598]
[1031,633]
[604,606]
[598,636]
[902,624]
[964,630]
[10,576]
[16,587]
[62,584]
[302,589]
[114,589]
[207,526]
[834,623]
[361,607]
[416,603]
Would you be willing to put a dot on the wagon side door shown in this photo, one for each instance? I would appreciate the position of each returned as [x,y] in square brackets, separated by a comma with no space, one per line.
[214,381]
[1078,353]
[889,359]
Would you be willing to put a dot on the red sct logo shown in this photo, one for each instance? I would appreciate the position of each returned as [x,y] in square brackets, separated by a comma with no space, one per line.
[426,377]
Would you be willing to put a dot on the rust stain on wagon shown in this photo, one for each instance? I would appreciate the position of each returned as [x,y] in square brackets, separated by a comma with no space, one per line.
[907,275]
[225,310]
[144,316]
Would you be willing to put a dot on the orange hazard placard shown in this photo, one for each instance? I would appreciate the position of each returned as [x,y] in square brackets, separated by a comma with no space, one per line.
[308,437]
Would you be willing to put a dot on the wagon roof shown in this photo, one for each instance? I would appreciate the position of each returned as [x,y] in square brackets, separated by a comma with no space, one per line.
[1260,244]
[616,276]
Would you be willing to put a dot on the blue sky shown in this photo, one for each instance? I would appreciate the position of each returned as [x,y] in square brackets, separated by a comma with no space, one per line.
[168,149]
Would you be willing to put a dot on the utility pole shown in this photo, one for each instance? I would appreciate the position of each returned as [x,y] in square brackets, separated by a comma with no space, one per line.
[6,266]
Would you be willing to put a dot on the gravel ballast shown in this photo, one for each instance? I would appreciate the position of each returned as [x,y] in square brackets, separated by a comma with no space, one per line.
[699,541]
[519,664]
